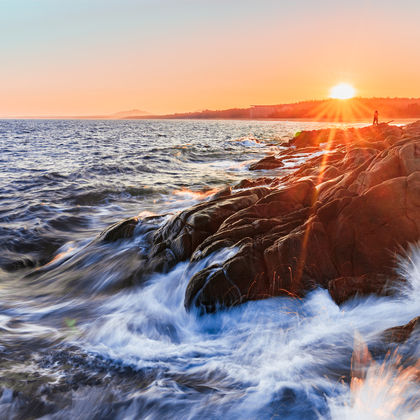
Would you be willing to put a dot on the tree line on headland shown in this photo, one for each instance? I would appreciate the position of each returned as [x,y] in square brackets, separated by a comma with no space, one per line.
[355,109]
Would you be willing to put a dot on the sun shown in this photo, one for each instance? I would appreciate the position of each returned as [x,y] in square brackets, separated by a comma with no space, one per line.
[342,91]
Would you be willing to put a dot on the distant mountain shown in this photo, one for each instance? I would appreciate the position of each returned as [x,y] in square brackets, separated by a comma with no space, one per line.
[128,114]
[117,115]
[355,109]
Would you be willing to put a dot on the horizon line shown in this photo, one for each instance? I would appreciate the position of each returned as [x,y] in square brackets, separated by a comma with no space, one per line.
[147,115]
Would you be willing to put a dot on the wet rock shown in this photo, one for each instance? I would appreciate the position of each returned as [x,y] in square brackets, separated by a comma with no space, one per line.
[344,288]
[337,222]
[277,202]
[401,333]
[249,183]
[224,192]
[240,279]
[270,162]
[369,229]
[300,260]
[177,239]
[120,230]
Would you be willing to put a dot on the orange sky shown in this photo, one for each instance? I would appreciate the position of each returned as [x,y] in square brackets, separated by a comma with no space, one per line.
[97,57]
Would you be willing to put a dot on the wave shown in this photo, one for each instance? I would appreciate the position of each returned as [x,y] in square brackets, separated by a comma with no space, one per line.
[279,357]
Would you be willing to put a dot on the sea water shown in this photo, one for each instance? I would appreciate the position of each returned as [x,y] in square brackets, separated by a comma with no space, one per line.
[75,343]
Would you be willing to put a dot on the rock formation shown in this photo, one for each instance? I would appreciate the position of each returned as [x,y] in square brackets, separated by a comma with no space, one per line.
[270,162]
[337,222]
[401,333]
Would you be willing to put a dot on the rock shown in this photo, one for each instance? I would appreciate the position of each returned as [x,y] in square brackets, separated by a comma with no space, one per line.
[311,138]
[277,202]
[224,192]
[372,227]
[409,158]
[177,239]
[300,260]
[401,333]
[331,172]
[249,183]
[341,234]
[119,230]
[344,288]
[270,162]
[362,136]
[356,157]
[336,222]
[239,279]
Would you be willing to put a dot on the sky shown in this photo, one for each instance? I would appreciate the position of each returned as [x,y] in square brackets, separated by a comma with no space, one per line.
[84,57]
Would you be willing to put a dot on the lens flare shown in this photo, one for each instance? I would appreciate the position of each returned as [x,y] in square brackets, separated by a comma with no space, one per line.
[342,91]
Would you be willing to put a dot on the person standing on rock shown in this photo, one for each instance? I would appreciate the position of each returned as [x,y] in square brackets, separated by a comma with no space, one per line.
[376,118]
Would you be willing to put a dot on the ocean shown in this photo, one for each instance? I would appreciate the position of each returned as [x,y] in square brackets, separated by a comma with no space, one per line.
[78,341]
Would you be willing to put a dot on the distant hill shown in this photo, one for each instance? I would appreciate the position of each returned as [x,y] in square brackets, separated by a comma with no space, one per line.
[355,109]
[116,116]
[128,114]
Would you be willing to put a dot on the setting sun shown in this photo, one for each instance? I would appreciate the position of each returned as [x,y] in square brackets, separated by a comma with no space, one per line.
[342,91]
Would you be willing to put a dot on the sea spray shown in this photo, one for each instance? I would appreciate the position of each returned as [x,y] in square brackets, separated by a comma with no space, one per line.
[389,389]
[279,356]
[386,391]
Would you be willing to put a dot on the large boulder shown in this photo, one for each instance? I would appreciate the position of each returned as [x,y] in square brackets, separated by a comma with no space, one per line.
[120,230]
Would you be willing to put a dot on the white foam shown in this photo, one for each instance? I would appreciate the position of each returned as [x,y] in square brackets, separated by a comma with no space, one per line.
[266,346]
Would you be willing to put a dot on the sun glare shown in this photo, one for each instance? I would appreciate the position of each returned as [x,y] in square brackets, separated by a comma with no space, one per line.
[342,91]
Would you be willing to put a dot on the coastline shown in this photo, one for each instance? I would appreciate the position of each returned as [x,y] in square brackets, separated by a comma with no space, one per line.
[182,292]
[307,229]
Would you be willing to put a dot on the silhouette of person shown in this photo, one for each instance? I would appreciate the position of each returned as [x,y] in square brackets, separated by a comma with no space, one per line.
[376,118]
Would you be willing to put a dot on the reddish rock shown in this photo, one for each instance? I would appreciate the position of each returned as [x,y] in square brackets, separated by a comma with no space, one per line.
[279,202]
[401,333]
[270,162]
[249,183]
[342,234]
[239,279]
[362,136]
[344,288]
[409,157]
[300,260]
[177,239]
[372,227]
[336,222]
[356,157]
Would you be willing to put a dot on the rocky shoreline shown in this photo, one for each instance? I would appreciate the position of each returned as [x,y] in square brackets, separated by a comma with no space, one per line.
[337,222]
